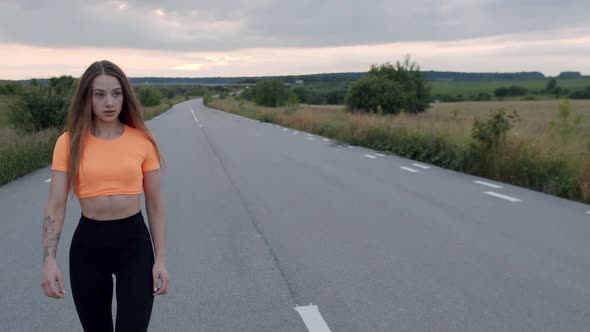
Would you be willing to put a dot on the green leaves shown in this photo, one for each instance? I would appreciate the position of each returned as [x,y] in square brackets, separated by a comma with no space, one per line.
[390,89]
[149,95]
[270,93]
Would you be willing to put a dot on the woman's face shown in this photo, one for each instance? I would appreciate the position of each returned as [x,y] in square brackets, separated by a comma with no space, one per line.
[107,98]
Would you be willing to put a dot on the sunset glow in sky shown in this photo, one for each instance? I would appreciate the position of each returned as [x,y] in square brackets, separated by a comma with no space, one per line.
[182,38]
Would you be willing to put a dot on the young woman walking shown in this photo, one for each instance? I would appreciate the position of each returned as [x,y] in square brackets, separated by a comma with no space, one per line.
[107,157]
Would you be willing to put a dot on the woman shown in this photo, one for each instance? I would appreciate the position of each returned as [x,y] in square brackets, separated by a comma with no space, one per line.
[107,157]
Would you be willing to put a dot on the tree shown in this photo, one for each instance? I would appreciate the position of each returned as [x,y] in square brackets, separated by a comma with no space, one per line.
[551,85]
[301,93]
[149,96]
[270,93]
[390,88]
[63,85]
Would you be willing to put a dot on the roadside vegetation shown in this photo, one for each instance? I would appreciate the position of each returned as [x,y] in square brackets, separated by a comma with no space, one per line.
[32,117]
[534,133]
[542,145]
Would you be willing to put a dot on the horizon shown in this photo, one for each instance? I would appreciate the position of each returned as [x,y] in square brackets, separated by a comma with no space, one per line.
[295,75]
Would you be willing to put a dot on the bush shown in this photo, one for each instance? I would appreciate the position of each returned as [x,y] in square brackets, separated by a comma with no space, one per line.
[513,91]
[10,89]
[482,96]
[149,95]
[39,108]
[394,88]
[301,93]
[292,103]
[492,132]
[270,93]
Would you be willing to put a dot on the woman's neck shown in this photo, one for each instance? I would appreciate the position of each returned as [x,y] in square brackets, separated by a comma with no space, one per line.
[108,130]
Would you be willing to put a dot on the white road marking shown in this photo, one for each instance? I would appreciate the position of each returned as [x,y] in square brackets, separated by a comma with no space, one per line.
[508,198]
[295,133]
[380,154]
[410,169]
[285,129]
[310,138]
[371,157]
[48,180]
[200,126]
[194,116]
[309,135]
[421,166]
[588,212]
[312,318]
[351,147]
[488,184]
[326,140]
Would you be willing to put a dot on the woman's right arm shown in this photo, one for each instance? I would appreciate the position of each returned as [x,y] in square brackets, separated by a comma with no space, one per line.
[53,220]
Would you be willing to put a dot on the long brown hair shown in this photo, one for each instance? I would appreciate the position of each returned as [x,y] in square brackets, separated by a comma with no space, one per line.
[79,120]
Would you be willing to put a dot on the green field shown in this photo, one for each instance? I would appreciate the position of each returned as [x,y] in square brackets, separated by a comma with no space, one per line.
[467,88]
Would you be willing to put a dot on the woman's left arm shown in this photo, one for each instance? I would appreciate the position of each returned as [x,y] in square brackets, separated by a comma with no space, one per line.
[157,220]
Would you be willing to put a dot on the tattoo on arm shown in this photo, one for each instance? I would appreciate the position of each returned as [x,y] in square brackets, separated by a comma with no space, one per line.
[50,238]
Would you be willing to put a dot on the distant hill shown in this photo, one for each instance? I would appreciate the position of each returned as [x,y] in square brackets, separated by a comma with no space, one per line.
[338,77]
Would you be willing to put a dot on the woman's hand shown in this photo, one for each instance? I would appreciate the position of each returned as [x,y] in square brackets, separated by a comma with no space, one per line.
[160,277]
[51,274]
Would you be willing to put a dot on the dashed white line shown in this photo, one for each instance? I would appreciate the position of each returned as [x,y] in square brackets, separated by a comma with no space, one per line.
[488,184]
[310,138]
[351,147]
[285,129]
[370,156]
[421,166]
[194,116]
[380,154]
[295,133]
[312,318]
[48,180]
[587,212]
[326,140]
[508,198]
[410,169]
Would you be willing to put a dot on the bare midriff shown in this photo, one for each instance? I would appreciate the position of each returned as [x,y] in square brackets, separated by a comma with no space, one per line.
[110,207]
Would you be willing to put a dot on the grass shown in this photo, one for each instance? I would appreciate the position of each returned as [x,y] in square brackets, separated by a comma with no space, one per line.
[4,109]
[535,155]
[468,88]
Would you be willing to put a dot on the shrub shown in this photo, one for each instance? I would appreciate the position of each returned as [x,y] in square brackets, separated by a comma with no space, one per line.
[39,108]
[149,95]
[395,88]
[270,93]
[301,93]
[492,132]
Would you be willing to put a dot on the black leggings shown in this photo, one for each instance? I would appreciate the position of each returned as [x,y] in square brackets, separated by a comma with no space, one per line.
[100,249]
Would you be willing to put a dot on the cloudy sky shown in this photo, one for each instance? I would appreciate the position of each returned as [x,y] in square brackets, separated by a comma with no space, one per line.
[195,38]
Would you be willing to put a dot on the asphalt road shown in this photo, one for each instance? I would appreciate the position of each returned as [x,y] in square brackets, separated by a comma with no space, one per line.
[263,220]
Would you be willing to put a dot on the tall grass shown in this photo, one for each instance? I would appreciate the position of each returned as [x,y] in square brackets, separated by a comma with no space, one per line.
[532,156]
[22,154]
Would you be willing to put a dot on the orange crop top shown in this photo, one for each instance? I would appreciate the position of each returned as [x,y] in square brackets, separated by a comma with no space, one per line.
[109,167]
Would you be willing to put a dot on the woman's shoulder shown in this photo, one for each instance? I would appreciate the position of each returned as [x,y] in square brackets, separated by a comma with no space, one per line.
[64,138]
[136,134]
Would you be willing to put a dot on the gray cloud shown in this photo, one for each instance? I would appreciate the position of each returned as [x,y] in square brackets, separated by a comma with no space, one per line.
[224,25]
